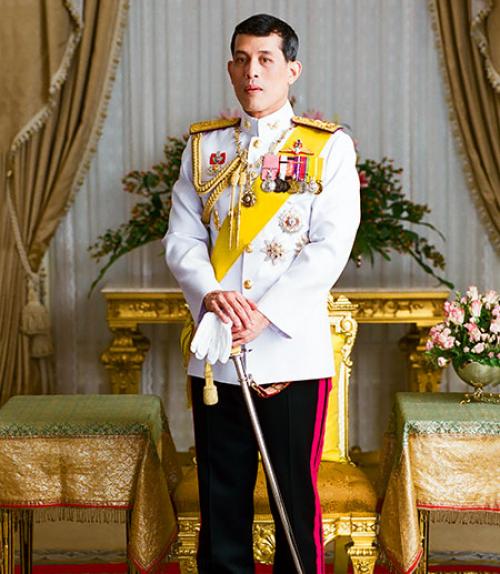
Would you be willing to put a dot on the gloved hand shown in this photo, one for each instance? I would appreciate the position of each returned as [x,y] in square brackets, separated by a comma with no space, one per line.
[212,340]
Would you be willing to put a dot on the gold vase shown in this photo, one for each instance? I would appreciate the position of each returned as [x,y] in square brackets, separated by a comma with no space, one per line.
[479,376]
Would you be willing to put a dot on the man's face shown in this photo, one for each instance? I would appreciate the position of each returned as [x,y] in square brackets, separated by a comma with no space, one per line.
[260,74]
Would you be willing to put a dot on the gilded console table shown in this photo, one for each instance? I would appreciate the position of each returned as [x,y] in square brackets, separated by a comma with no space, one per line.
[128,308]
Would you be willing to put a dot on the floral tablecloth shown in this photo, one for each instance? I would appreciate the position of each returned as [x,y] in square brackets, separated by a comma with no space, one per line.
[438,455]
[97,452]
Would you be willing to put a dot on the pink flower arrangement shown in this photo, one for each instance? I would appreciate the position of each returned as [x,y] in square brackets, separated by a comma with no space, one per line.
[470,330]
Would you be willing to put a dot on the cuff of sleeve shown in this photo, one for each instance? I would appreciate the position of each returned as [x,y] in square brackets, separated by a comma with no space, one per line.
[195,299]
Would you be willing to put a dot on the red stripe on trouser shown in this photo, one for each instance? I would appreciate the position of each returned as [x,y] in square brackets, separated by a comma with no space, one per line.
[316,450]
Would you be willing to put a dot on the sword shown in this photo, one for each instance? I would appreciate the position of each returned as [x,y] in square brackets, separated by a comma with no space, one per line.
[245,382]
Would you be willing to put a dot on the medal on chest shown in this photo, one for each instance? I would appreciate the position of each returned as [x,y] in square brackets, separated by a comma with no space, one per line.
[292,170]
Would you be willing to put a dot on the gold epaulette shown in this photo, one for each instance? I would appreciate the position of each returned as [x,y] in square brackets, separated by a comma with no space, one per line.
[317,124]
[211,125]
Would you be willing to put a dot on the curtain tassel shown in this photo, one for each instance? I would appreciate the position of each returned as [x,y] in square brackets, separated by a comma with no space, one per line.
[35,323]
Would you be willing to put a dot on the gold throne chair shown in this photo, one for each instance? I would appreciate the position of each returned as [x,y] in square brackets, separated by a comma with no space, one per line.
[348,499]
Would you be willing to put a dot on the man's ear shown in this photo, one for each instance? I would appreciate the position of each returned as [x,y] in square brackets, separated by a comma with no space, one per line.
[294,71]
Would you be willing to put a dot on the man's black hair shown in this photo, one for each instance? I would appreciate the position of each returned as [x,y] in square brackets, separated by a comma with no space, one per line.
[265,25]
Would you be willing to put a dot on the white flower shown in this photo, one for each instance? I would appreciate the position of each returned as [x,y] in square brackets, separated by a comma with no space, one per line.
[495,325]
[475,307]
[472,292]
[490,297]
[442,362]
[478,348]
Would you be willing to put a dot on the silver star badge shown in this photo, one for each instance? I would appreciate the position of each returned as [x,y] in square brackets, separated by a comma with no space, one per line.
[290,221]
[274,251]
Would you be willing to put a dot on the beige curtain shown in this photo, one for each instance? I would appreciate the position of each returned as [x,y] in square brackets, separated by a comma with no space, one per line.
[56,70]
[468,37]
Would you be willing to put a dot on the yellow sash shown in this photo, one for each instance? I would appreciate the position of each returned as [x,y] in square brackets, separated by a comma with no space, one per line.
[255,218]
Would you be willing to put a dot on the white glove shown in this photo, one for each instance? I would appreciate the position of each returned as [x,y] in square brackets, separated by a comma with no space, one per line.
[212,339]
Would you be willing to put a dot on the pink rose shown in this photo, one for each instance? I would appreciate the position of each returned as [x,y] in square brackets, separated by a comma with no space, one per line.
[491,354]
[442,362]
[474,332]
[449,343]
[444,339]
[437,328]
[454,313]
[435,332]
[478,348]
[496,311]
[475,307]
[429,345]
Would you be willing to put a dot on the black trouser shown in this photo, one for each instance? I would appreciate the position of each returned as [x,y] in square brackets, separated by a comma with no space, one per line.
[226,451]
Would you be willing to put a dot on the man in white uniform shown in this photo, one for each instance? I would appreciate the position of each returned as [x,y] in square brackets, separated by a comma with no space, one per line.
[262,223]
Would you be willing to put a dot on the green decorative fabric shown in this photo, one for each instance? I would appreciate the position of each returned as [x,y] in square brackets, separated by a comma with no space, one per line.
[431,413]
[441,456]
[85,415]
[97,453]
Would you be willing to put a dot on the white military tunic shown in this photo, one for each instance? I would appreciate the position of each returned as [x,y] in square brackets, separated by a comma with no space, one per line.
[289,267]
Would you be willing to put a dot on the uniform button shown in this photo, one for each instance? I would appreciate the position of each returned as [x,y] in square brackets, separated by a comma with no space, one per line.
[249,248]
[257,143]
[247,284]
[246,124]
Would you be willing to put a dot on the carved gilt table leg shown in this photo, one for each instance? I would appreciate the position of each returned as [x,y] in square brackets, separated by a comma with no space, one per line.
[26,540]
[7,542]
[124,358]
[363,551]
[423,377]
[187,543]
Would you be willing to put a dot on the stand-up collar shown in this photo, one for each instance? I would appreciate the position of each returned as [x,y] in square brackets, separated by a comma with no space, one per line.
[268,126]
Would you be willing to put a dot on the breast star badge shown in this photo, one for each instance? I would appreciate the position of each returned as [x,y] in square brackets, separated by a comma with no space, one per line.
[290,221]
[274,251]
